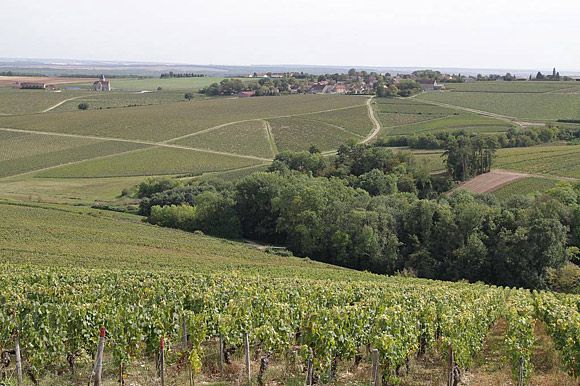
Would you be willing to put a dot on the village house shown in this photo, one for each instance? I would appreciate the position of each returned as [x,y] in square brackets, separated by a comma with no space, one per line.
[317,89]
[102,84]
[33,85]
[340,88]
[431,85]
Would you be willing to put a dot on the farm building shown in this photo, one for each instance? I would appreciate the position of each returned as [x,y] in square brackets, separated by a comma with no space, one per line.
[431,85]
[33,85]
[102,84]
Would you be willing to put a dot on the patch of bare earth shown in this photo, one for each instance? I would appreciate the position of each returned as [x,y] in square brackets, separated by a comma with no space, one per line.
[489,182]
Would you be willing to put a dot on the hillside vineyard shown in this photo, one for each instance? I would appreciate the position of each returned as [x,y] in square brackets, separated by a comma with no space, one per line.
[55,315]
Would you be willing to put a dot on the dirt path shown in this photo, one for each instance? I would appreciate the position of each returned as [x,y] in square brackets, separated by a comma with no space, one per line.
[376,123]
[271,140]
[62,103]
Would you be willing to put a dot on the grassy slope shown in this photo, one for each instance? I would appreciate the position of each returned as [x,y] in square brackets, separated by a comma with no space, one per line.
[539,106]
[118,99]
[561,161]
[189,84]
[70,151]
[150,162]
[62,236]
[298,133]
[248,138]
[409,116]
[524,186]
[16,101]
[513,87]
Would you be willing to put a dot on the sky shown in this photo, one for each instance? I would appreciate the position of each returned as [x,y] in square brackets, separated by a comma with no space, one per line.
[506,34]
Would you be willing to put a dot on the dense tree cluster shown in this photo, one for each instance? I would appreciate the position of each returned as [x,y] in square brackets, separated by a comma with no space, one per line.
[514,137]
[469,156]
[377,210]
[403,88]
[171,74]
[225,87]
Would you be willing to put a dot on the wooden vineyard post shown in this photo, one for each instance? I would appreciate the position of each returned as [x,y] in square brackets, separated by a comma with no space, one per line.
[375,374]
[98,369]
[184,337]
[185,343]
[18,359]
[247,350]
[451,365]
[309,369]
[162,360]
[521,372]
[221,343]
[121,378]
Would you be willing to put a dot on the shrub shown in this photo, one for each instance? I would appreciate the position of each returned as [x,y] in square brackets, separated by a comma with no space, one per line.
[83,106]
[173,216]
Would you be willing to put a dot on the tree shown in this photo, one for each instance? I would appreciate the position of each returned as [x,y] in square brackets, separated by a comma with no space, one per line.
[188,96]
[468,156]
[255,195]
[376,182]
[83,106]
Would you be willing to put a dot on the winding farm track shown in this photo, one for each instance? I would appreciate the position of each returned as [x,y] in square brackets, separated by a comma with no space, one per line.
[62,103]
[271,140]
[374,120]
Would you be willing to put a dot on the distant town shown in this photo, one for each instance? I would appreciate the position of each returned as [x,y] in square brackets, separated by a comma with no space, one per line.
[353,82]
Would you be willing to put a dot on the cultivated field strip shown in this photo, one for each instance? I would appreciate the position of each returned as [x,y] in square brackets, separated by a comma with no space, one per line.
[250,140]
[510,106]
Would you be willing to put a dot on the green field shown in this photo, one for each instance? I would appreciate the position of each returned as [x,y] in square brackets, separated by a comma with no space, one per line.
[152,162]
[409,116]
[253,128]
[47,235]
[16,101]
[431,160]
[246,138]
[534,106]
[515,87]
[151,84]
[171,120]
[355,120]
[116,99]
[563,161]
[298,133]
[29,152]
[524,186]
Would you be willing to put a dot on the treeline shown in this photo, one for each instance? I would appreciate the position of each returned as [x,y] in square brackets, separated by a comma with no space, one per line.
[514,137]
[403,88]
[13,73]
[172,74]
[263,87]
[373,209]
